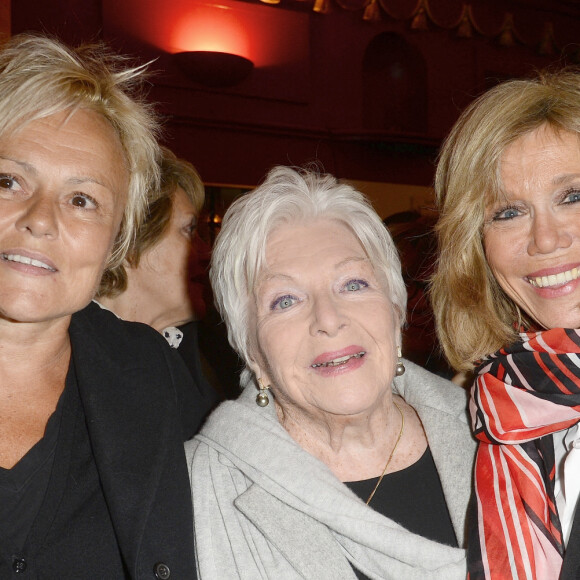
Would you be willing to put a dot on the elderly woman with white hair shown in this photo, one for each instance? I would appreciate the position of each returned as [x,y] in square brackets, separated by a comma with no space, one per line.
[339,459]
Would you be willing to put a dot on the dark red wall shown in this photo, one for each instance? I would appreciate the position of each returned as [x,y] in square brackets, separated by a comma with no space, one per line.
[367,100]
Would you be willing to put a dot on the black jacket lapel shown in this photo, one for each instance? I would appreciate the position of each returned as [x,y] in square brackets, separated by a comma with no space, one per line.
[130,415]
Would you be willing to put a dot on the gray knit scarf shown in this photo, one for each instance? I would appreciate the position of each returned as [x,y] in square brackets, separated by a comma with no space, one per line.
[265,508]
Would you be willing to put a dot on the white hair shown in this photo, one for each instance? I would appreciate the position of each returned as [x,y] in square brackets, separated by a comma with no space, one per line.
[288,195]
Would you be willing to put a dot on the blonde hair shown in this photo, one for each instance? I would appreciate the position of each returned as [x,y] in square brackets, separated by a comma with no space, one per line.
[175,173]
[40,76]
[288,195]
[474,316]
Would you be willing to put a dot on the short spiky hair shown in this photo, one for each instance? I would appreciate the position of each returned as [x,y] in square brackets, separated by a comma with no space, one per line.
[40,76]
[474,316]
[288,195]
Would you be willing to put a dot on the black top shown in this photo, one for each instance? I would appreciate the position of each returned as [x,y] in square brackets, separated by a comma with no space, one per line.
[22,488]
[189,350]
[117,502]
[219,357]
[412,497]
[571,566]
[72,512]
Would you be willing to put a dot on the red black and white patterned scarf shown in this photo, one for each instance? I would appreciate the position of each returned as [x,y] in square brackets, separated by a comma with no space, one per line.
[521,396]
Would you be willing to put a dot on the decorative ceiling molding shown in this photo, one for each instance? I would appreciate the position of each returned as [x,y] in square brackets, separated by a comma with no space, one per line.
[528,23]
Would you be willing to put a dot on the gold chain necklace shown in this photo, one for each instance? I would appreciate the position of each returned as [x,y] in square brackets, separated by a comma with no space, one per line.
[392,453]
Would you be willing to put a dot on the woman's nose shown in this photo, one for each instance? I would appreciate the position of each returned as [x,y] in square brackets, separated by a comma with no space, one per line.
[548,234]
[39,217]
[327,317]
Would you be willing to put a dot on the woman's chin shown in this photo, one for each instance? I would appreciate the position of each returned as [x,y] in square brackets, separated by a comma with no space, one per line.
[30,308]
[556,316]
[353,403]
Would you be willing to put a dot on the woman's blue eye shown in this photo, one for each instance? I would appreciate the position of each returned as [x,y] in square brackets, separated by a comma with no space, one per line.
[572,196]
[283,302]
[354,285]
[506,214]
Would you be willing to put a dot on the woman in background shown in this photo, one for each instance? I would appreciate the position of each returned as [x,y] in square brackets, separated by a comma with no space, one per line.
[506,296]
[157,283]
[339,459]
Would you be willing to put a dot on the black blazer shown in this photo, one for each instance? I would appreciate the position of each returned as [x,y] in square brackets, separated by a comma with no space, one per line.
[571,566]
[189,352]
[129,383]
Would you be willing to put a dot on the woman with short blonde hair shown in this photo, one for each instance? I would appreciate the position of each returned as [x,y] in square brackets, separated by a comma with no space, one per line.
[93,478]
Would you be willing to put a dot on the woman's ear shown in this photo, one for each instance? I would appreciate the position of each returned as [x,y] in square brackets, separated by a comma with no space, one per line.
[259,370]
[255,360]
[128,266]
[398,336]
[256,368]
[398,331]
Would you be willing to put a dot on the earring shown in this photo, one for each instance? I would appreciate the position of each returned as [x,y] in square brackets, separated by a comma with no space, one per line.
[262,398]
[400,368]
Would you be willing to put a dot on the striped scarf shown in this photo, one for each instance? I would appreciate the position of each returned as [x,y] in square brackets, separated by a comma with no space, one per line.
[521,396]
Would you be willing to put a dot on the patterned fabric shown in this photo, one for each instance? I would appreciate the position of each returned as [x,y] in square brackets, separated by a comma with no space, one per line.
[521,396]
[173,336]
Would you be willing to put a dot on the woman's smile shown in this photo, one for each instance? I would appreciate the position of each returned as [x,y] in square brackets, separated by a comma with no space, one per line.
[554,277]
[334,359]
[338,362]
[28,263]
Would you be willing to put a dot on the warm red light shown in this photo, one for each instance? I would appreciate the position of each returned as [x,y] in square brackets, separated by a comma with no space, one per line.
[267,36]
[214,28]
